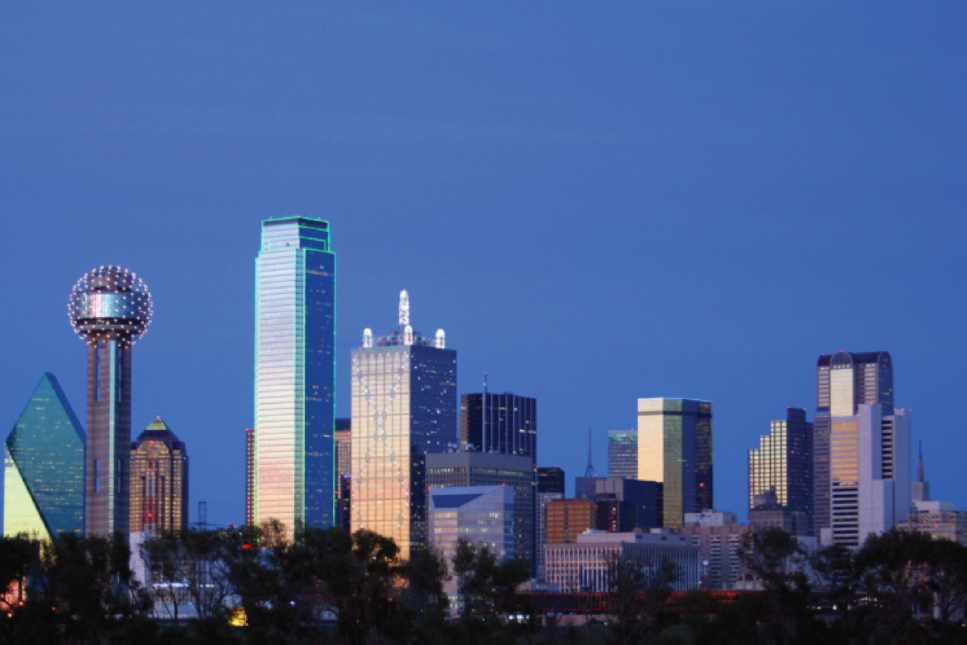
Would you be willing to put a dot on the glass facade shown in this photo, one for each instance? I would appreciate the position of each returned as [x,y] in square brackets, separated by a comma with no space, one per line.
[44,458]
[550,479]
[504,423]
[844,381]
[404,406]
[783,463]
[675,450]
[623,454]
[295,372]
[159,481]
[481,515]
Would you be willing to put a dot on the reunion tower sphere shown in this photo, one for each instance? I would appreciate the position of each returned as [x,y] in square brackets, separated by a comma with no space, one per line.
[110,303]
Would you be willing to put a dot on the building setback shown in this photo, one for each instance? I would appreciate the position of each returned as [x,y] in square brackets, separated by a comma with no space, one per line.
[295,374]
[783,463]
[675,450]
[404,407]
[463,468]
[43,493]
[159,481]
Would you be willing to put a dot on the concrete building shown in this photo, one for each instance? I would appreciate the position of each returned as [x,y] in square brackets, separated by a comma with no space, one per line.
[582,566]
[718,537]
[768,512]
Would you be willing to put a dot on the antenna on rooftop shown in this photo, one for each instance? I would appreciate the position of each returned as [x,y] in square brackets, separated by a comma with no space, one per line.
[590,472]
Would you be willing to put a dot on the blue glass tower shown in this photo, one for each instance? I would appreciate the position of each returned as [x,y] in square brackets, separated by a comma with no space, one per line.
[44,476]
[295,374]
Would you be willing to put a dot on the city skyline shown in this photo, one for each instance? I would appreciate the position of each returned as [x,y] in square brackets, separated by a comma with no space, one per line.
[596,206]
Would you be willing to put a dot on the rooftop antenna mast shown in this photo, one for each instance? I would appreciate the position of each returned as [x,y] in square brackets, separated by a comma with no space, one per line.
[920,469]
[590,472]
[486,419]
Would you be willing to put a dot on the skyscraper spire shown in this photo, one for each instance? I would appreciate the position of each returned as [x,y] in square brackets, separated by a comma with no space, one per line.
[404,308]
[920,468]
[590,472]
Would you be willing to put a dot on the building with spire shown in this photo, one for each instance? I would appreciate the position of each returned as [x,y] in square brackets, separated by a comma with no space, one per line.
[43,491]
[939,520]
[404,406]
[675,450]
[159,481]
[584,486]
[294,478]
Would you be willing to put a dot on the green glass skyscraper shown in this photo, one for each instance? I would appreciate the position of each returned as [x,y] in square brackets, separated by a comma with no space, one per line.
[295,374]
[44,476]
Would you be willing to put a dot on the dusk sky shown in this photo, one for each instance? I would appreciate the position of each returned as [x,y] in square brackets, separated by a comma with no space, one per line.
[597,201]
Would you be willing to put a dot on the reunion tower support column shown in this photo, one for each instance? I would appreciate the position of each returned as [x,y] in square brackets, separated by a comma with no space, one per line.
[110,308]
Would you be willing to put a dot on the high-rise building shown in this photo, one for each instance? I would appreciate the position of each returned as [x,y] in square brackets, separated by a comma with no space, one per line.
[870,473]
[159,481]
[295,373]
[344,469]
[404,406]
[623,454]
[645,496]
[44,457]
[719,538]
[466,468]
[675,450]
[482,515]
[783,463]
[844,381]
[502,423]
[767,512]
[250,476]
[110,308]
[550,479]
[569,518]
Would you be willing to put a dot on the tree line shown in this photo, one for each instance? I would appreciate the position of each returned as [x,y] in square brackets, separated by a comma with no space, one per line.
[253,585]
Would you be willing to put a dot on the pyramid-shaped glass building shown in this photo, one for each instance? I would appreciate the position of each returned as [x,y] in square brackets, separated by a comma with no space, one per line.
[44,474]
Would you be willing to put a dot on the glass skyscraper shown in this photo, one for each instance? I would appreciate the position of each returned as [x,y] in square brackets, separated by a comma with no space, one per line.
[675,450]
[159,481]
[844,381]
[44,459]
[404,406]
[783,463]
[295,374]
[623,454]
[503,423]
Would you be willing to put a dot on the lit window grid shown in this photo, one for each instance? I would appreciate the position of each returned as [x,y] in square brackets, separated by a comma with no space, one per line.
[623,454]
[582,567]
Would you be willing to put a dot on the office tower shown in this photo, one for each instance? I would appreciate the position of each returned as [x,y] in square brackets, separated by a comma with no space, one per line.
[463,468]
[583,566]
[404,406]
[43,491]
[844,381]
[675,450]
[503,423]
[481,515]
[569,518]
[870,472]
[343,471]
[719,539]
[344,519]
[920,489]
[783,463]
[623,454]
[250,476]
[159,481]
[615,515]
[110,308]
[644,496]
[767,512]
[295,373]
[550,479]
[584,486]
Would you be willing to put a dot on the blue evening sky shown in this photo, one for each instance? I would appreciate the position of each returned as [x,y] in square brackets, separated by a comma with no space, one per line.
[597,201]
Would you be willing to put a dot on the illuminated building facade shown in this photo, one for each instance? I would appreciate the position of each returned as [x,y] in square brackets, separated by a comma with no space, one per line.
[110,308]
[250,476]
[623,454]
[465,468]
[295,374]
[569,518]
[844,381]
[481,515]
[404,406]
[344,472]
[43,491]
[783,463]
[502,423]
[646,498]
[159,481]
[675,450]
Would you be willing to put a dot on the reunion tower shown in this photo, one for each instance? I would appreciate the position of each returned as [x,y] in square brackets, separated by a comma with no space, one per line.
[110,308]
